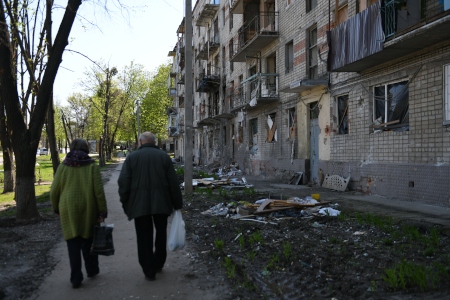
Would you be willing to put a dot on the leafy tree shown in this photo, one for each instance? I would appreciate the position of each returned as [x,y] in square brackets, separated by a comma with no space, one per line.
[29,62]
[154,107]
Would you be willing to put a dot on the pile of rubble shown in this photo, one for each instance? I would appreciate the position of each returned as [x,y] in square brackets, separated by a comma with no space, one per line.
[266,210]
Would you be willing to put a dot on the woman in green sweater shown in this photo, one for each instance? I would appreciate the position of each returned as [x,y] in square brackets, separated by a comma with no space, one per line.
[78,198]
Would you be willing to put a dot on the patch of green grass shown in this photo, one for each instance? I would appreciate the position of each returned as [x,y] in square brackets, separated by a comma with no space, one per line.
[251,255]
[230,267]
[256,238]
[407,275]
[219,244]
[384,223]
[287,251]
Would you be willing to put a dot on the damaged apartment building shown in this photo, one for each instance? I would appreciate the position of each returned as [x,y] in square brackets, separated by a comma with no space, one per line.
[355,88]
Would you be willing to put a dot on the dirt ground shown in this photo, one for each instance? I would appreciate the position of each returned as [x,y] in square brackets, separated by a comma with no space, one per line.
[285,255]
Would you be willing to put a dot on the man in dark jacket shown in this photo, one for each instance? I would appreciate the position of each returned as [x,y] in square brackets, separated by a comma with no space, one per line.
[149,192]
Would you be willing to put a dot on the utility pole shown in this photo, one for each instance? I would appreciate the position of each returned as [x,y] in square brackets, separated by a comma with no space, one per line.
[188,131]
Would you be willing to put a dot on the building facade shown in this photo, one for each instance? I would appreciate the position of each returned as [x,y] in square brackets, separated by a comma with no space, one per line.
[355,88]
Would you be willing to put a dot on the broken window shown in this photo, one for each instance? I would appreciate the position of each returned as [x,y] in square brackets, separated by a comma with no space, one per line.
[240,133]
[289,57]
[341,15]
[230,20]
[310,5]
[342,106]
[313,54]
[253,132]
[271,128]
[447,95]
[391,107]
[292,123]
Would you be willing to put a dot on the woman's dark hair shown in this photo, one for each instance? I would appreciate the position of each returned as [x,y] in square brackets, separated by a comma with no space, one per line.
[79,144]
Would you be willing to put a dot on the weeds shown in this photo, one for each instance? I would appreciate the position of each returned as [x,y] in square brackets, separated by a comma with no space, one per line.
[287,251]
[230,267]
[256,238]
[219,244]
[251,255]
[406,275]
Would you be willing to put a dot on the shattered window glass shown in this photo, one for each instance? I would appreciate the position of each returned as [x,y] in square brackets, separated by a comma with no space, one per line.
[391,107]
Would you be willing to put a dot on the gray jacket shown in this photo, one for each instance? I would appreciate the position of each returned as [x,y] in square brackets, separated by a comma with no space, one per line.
[148,184]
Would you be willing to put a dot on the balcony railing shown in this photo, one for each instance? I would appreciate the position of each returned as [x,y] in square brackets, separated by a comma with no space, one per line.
[256,34]
[380,34]
[208,49]
[209,82]
[207,12]
[259,89]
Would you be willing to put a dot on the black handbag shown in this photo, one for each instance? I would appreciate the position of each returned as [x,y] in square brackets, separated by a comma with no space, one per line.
[102,243]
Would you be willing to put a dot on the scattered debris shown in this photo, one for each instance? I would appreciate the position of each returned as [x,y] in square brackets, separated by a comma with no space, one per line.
[336,182]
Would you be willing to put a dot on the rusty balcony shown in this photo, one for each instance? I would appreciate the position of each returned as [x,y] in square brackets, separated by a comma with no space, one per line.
[380,34]
[208,49]
[205,116]
[256,34]
[207,12]
[209,82]
[256,91]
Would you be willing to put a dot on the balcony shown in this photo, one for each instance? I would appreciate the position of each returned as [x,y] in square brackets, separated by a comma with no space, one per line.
[206,117]
[256,34]
[380,34]
[224,111]
[207,12]
[254,92]
[209,82]
[208,49]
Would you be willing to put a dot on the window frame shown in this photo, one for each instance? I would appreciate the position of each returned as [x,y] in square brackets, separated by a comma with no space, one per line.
[345,115]
[310,5]
[386,105]
[313,52]
[289,57]
[253,130]
[446,95]
[274,138]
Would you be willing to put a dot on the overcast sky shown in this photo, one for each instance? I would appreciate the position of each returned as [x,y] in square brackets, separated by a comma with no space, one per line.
[145,36]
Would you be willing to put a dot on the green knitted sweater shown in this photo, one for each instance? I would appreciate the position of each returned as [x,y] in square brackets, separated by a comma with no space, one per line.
[77,194]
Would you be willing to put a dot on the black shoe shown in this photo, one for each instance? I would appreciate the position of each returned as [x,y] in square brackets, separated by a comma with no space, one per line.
[93,274]
[76,285]
[150,278]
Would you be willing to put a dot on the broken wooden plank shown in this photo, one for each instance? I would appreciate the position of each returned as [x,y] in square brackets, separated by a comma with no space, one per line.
[269,210]
[264,204]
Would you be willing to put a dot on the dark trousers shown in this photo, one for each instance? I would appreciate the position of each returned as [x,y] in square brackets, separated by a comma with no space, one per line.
[76,247]
[150,260]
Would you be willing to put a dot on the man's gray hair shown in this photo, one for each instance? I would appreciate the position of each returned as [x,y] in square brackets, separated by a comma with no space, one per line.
[147,137]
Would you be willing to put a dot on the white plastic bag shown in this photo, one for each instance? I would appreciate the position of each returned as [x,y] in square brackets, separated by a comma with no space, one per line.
[177,233]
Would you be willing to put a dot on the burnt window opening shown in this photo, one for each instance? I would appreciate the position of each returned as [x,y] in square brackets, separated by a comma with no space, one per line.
[292,123]
[342,105]
[253,141]
[391,107]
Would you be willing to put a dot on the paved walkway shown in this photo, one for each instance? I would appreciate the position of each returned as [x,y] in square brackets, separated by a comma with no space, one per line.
[120,275]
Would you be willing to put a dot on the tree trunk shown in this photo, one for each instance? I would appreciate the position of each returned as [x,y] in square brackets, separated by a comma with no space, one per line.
[52,136]
[25,139]
[8,157]
[51,111]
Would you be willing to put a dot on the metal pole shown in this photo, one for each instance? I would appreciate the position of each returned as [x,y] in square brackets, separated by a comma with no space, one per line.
[188,160]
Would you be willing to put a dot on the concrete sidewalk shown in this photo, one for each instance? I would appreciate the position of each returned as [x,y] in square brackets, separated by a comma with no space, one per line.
[121,276]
